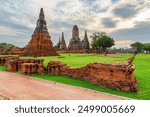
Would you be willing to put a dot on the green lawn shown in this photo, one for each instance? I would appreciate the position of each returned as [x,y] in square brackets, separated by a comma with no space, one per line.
[142,72]
[3,68]
[79,60]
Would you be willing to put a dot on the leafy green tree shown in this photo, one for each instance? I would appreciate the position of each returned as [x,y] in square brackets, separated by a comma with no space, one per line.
[146,46]
[103,42]
[94,44]
[138,46]
[6,46]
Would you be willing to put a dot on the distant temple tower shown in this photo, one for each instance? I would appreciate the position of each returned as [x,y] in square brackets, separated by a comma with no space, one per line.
[58,45]
[85,45]
[40,44]
[62,43]
[74,44]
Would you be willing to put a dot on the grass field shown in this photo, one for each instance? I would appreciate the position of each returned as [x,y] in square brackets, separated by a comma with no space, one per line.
[3,68]
[79,60]
[142,72]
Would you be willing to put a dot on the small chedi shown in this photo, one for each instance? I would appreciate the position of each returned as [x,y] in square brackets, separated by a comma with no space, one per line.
[40,44]
[62,43]
[85,45]
[117,75]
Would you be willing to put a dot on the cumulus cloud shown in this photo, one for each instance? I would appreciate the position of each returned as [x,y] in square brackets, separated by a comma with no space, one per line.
[139,33]
[125,11]
[123,44]
[108,23]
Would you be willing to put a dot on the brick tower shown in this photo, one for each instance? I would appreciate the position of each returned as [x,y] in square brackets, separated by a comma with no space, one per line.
[85,45]
[74,44]
[40,44]
[63,43]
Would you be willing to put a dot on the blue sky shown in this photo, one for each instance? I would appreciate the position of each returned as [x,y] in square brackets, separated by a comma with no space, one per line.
[126,21]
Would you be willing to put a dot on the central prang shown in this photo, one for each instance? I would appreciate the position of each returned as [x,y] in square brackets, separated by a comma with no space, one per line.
[40,44]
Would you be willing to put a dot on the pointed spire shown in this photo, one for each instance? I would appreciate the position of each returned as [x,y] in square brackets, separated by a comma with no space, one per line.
[62,42]
[59,39]
[58,44]
[85,36]
[63,39]
[41,15]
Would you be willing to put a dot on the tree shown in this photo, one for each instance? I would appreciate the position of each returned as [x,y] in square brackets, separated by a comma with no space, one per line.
[103,42]
[94,45]
[146,46]
[6,46]
[138,46]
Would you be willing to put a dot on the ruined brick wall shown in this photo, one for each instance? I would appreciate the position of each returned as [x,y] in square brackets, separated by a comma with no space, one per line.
[17,51]
[116,75]
[27,66]
[32,68]
[2,61]
[5,59]
[14,64]
[112,75]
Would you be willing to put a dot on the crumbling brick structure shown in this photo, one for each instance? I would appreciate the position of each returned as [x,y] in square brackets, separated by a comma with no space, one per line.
[17,51]
[27,66]
[5,59]
[76,45]
[40,44]
[115,75]
[32,68]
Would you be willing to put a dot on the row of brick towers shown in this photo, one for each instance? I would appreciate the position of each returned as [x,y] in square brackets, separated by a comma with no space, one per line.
[75,44]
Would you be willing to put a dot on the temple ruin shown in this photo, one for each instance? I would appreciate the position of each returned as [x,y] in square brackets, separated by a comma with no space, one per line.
[85,45]
[40,44]
[74,44]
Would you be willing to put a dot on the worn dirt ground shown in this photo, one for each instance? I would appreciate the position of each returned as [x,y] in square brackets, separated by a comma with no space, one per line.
[20,87]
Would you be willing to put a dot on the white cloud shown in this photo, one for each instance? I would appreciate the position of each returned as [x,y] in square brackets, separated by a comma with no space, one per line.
[123,44]
[143,14]
[5,31]
[86,14]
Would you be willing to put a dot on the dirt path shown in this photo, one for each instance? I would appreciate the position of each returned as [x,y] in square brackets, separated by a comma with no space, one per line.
[21,87]
[3,97]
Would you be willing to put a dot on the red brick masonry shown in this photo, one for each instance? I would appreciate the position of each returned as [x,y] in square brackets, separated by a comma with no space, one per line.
[112,75]
[117,75]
